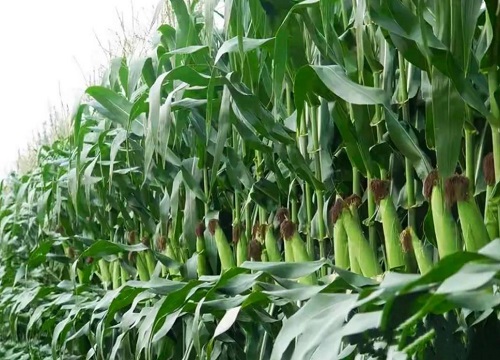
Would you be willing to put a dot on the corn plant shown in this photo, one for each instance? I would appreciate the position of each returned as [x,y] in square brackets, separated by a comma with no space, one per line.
[306,180]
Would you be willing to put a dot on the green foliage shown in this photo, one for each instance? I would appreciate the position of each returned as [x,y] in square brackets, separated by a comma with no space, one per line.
[269,128]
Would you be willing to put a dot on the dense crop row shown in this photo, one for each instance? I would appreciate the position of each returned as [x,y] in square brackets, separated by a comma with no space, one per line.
[313,179]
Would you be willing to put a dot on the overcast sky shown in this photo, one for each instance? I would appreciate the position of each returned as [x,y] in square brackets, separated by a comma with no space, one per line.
[50,48]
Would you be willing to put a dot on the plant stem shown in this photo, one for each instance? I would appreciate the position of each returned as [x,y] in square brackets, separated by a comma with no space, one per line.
[356,183]
[410,186]
[315,119]
[469,158]
[308,194]
[258,166]
[206,189]
[372,231]
[380,124]
[237,204]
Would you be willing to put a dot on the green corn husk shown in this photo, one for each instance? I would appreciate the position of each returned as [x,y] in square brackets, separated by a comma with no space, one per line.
[241,243]
[169,252]
[290,235]
[148,257]
[340,242]
[358,244]
[411,242]
[123,275]
[116,274]
[104,272]
[271,243]
[141,267]
[200,250]
[223,247]
[390,224]
[161,247]
[490,209]
[264,257]
[353,261]
[474,231]
[445,227]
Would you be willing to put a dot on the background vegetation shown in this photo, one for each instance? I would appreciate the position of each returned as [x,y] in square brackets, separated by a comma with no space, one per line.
[310,180]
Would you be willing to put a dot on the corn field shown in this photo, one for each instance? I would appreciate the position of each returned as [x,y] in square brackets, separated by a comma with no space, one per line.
[287,179]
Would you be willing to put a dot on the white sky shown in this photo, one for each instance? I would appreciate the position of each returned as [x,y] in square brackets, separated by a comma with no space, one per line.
[49,48]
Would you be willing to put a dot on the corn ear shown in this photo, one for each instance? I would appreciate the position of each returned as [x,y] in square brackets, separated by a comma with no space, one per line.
[413,243]
[474,231]
[223,247]
[142,269]
[116,274]
[445,227]
[290,235]
[123,275]
[340,242]
[361,249]
[390,225]
[271,244]
[104,272]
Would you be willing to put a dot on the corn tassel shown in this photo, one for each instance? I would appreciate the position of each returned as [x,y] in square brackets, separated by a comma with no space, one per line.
[148,257]
[141,267]
[116,274]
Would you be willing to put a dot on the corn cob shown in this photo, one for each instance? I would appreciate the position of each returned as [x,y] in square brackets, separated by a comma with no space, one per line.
[445,227]
[241,244]
[223,247]
[104,272]
[411,242]
[148,257]
[161,247]
[358,244]
[271,243]
[140,265]
[290,234]
[340,243]
[169,252]
[474,231]
[390,224]
[116,274]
